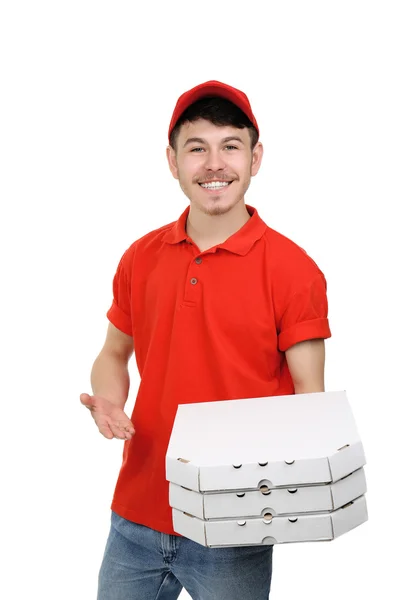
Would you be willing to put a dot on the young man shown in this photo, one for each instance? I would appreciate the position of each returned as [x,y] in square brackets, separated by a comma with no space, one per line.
[218,306]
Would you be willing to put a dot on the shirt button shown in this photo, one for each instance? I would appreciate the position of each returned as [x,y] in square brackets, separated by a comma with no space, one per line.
[193,281]
[198,260]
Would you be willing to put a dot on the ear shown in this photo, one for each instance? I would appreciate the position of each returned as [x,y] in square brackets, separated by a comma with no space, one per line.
[257,158]
[171,158]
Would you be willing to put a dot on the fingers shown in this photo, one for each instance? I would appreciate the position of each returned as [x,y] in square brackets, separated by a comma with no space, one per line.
[125,426]
[116,431]
[108,424]
[120,430]
[86,400]
[106,431]
[109,430]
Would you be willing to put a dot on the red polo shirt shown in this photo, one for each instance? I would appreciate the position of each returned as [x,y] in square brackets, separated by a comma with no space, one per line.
[207,326]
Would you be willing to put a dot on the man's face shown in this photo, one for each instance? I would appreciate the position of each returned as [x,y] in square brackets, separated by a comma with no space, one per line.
[214,165]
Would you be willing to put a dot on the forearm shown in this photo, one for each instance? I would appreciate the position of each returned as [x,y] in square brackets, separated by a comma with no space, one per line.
[309,388]
[306,362]
[110,378]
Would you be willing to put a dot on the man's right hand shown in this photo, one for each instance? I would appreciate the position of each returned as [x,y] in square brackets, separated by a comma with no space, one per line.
[109,418]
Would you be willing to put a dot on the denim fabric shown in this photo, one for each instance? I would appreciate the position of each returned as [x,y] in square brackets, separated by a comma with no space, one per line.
[142,564]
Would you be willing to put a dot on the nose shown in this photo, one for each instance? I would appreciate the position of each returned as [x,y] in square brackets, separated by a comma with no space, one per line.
[214,160]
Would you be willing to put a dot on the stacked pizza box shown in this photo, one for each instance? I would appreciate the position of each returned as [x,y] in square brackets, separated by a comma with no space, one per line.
[268,470]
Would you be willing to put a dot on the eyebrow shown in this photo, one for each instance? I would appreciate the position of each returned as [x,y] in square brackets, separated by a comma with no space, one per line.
[197,140]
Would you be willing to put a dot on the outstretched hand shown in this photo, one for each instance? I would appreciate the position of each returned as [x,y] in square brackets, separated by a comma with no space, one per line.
[109,418]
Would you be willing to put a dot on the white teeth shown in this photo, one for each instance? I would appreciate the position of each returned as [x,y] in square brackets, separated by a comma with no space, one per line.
[215,184]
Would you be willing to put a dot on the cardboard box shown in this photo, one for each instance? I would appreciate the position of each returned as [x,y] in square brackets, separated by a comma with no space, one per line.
[294,440]
[272,530]
[275,501]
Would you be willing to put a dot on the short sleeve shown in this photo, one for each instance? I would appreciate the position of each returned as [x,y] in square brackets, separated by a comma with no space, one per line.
[119,314]
[306,316]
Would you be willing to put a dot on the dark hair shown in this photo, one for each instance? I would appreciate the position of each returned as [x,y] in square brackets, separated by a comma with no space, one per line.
[219,112]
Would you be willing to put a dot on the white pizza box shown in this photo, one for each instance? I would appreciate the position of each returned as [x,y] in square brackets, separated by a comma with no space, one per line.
[277,501]
[298,439]
[312,527]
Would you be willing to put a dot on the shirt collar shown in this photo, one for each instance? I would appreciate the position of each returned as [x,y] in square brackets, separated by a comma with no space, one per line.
[239,243]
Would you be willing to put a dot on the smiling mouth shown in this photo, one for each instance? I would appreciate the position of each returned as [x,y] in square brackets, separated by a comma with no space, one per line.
[215,185]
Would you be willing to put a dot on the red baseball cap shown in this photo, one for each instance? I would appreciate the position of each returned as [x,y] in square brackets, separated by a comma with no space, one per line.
[212,88]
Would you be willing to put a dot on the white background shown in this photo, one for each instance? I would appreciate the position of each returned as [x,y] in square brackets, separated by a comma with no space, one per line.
[88,89]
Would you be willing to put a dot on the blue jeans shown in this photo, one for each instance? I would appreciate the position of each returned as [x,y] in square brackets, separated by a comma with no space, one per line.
[142,564]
